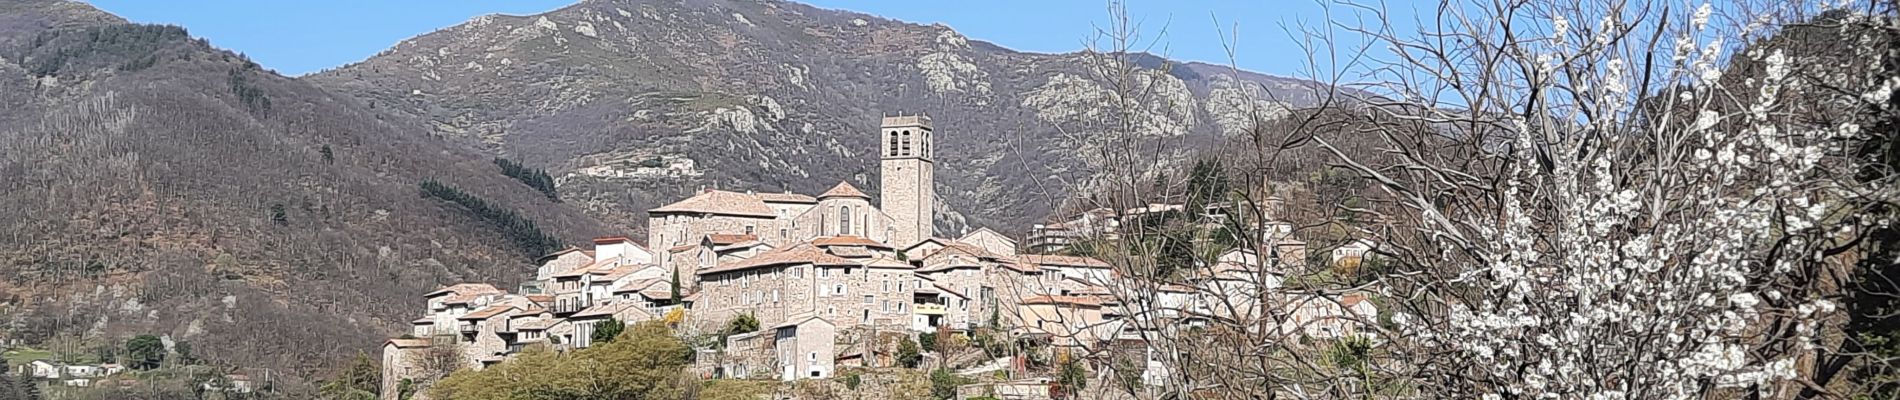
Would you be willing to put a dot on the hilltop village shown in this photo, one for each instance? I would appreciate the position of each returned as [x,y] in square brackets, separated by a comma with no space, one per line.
[827,279]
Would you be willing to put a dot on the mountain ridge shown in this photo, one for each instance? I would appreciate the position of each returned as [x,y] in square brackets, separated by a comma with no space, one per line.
[152,184]
[634,103]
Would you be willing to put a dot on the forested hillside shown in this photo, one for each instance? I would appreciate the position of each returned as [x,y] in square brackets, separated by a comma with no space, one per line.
[150,183]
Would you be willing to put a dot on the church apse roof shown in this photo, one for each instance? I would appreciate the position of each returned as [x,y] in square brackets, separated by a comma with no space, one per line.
[844,189]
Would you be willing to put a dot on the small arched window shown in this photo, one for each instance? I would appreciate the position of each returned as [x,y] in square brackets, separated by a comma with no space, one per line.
[893,147]
[844,220]
[906,144]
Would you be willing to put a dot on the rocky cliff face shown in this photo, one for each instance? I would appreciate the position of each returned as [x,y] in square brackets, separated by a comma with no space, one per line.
[152,184]
[634,103]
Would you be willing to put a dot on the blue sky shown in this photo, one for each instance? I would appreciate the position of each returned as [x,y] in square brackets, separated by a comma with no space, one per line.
[299,37]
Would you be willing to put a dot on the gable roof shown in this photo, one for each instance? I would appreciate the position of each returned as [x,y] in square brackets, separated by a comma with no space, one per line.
[1063,261]
[886,262]
[486,312]
[730,238]
[986,231]
[639,285]
[803,253]
[801,319]
[719,202]
[610,309]
[787,197]
[407,343]
[847,240]
[464,289]
[844,189]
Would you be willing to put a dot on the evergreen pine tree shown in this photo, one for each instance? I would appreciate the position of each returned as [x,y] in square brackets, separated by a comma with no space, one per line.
[28,389]
[6,381]
[676,286]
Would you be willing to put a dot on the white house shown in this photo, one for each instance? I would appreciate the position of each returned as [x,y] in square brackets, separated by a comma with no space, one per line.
[1356,248]
[44,369]
[83,371]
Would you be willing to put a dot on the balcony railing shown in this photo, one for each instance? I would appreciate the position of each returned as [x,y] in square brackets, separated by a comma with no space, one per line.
[466,329]
[929,308]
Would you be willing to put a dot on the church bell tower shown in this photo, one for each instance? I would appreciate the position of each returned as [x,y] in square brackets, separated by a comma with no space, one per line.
[909,178]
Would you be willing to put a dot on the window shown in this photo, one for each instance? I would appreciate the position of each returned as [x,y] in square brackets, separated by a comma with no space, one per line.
[748,229]
[844,220]
[783,234]
[798,272]
[893,147]
[868,299]
[906,144]
[823,273]
[838,289]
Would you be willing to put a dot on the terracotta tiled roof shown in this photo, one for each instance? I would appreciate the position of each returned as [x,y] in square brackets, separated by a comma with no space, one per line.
[610,239]
[786,198]
[1351,299]
[719,202]
[620,272]
[636,285]
[850,251]
[844,189]
[1063,261]
[954,247]
[536,324]
[541,299]
[1062,300]
[886,262]
[489,311]
[947,290]
[601,267]
[848,240]
[465,288]
[465,298]
[423,321]
[1022,267]
[722,239]
[800,254]
[408,343]
[1177,288]
[610,309]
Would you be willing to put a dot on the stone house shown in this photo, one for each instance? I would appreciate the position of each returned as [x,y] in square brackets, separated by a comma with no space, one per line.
[969,272]
[1067,321]
[710,251]
[626,312]
[402,359]
[805,347]
[709,212]
[1328,317]
[990,241]
[484,335]
[771,286]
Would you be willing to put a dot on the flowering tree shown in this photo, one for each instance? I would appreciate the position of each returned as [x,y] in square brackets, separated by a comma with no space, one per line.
[1615,199]
[1604,199]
